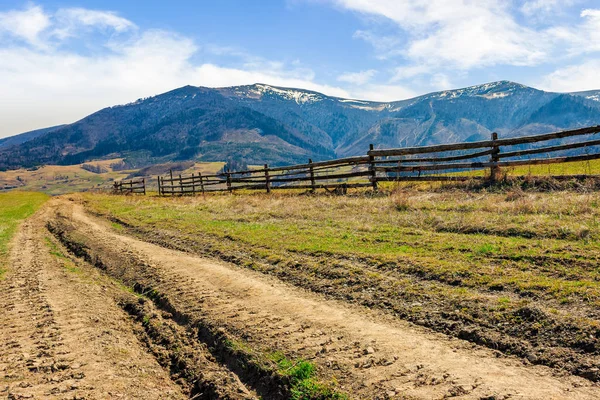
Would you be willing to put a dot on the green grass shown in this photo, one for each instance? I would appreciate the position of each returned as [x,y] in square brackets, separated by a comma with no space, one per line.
[116,226]
[543,242]
[436,257]
[66,262]
[14,208]
[591,167]
[54,250]
[304,384]
[486,249]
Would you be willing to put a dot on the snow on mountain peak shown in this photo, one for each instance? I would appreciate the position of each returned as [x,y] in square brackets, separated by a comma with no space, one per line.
[595,97]
[492,90]
[299,96]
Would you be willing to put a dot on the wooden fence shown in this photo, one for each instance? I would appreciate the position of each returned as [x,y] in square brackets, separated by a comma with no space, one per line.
[428,163]
[130,186]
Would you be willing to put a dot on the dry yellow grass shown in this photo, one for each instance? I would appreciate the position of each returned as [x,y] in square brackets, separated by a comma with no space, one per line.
[60,179]
[495,266]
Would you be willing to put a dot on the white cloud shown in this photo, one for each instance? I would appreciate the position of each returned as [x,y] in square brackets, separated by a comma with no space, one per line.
[461,34]
[439,38]
[42,30]
[410,71]
[386,47]
[378,92]
[441,81]
[45,77]
[46,82]
[25,25]
[96,18]
[423,76]
[358,78]
[70,21]
[573,78]
[70,86]
[590,35]
[581,39]
[536,8]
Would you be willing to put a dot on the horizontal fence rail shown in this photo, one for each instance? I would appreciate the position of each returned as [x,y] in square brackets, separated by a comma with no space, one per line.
[130,186]
[442,163]
[488,143]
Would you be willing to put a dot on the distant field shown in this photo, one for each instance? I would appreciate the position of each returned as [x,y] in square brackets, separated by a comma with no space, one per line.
[58,179]
[14,208]
[515,271]
[61,179]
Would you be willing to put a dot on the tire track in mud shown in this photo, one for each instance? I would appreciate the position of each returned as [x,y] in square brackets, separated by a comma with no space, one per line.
[176,349]
[540,332]
[31,348]
[368,353]
[61,333]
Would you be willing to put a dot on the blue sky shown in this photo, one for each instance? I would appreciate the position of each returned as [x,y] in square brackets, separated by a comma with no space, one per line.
[61,60]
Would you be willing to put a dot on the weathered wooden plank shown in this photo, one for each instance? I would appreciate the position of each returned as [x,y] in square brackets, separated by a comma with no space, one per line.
[229,182]
[550,149]
[434,159]
[304,178]
[430,178]
[312,175]
[481,144]
[267,180]
[476,165]
[324,185]
[340,161]
[372,170]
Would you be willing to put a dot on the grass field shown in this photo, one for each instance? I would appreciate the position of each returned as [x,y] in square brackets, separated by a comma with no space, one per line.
[14,208]
[591,167]
[445,233]
[513,270]
[61,179]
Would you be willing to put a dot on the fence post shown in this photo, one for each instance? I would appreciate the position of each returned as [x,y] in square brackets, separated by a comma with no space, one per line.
[180,185]
[159,190]
[193,185]
[144,183]
[228,176]
[312,175]
[373,175]
[172,186]
[494,169]
[267,178]
[201,182]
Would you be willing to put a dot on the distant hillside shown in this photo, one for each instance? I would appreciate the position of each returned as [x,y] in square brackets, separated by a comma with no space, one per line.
[261,123]
[25,137]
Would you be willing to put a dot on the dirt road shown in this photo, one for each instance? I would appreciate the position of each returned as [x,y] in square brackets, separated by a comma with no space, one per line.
[61,333]
[72,325]
[368,353]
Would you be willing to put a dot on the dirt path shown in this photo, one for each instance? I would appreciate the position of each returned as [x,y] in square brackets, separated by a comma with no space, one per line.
[62,335]
[370,354]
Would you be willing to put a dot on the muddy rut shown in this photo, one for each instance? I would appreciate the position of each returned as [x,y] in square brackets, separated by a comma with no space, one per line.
[366,354]
[61,333]
[90,313]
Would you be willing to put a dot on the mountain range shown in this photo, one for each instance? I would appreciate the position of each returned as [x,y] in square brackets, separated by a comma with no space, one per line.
[261,123]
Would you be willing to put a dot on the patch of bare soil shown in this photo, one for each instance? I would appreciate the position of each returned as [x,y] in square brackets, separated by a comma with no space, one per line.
[68,331]
[62,336]
[564,337]
[369,354]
